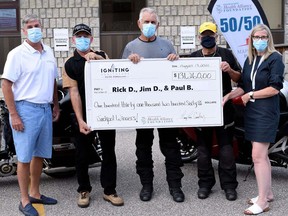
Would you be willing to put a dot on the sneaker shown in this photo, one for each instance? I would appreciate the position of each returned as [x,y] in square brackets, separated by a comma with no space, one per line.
[28,210]
[84,199]
[114,199]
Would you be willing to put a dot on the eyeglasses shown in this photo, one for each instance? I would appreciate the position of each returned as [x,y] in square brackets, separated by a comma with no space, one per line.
[260,37]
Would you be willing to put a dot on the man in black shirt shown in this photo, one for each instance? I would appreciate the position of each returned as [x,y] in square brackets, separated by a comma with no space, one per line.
[227,167]
[73,79]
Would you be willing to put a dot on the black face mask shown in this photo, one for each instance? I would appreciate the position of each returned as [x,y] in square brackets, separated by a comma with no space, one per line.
[208,42]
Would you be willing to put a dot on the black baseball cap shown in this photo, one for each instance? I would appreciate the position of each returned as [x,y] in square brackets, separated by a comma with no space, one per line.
[81,28]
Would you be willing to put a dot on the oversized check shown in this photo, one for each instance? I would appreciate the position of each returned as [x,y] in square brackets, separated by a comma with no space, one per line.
[153,93]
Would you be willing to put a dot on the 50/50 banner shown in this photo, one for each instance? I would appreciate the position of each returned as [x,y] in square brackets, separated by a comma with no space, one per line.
[235,19]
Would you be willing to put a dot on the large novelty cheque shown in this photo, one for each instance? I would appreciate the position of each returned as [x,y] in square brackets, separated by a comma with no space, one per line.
[235,19]
[153,93]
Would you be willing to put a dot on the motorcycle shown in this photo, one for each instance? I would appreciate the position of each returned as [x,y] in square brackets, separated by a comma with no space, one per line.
[62,163]
[277,152]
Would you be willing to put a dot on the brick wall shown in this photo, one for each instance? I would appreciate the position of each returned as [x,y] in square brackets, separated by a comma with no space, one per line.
[64,14]
[172,14]
[176,13]
[67,13]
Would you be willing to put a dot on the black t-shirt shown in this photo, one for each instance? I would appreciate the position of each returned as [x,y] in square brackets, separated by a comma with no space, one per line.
[74,68]
[227,56]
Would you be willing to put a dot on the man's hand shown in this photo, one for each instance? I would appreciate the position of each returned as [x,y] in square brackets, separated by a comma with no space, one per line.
[234,75]
[56,113]
[93,56]
[172,57]
[84,128]
[17,123]
[225,66]
[134,57]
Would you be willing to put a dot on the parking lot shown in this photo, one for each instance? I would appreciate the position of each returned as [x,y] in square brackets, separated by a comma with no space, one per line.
[64,189]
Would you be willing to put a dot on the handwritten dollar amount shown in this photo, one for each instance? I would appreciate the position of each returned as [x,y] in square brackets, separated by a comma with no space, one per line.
[193,75]
[233,24]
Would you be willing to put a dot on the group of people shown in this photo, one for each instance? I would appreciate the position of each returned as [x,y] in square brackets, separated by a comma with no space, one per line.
[29,87]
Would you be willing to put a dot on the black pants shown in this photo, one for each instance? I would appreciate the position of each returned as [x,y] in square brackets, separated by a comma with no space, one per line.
[169,148]
[108,167]
[226,165]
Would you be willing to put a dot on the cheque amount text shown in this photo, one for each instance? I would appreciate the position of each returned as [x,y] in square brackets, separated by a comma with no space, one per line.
[192,75]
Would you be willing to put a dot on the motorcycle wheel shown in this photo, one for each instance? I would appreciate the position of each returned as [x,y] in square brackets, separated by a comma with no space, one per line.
[95,161]
[188,149]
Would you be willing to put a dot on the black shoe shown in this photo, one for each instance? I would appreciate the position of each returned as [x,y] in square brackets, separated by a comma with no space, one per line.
[231,194]
[203,193]
[177,194]
[146,193]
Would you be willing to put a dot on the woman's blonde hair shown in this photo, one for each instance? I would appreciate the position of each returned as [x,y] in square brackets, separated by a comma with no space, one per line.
[252,52]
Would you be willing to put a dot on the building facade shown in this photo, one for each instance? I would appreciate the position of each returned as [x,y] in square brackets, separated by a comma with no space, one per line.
[114,22]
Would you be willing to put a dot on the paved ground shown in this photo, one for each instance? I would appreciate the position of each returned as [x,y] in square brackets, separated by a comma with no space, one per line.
[128,187]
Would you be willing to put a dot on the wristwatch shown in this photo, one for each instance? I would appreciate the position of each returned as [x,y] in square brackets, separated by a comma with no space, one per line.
[251,93]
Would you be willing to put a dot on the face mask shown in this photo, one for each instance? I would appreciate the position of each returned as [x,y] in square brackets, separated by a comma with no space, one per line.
[34,35]
[260,45]
[82,44]
[208,42]
[149,30]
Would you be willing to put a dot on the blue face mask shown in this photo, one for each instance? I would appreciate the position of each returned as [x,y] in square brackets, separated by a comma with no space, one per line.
[260,45]
[82,44]
[149,30]
[34,34]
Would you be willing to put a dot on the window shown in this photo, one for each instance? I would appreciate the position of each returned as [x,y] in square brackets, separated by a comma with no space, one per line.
[120,15]
[9,18]
[274,12]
